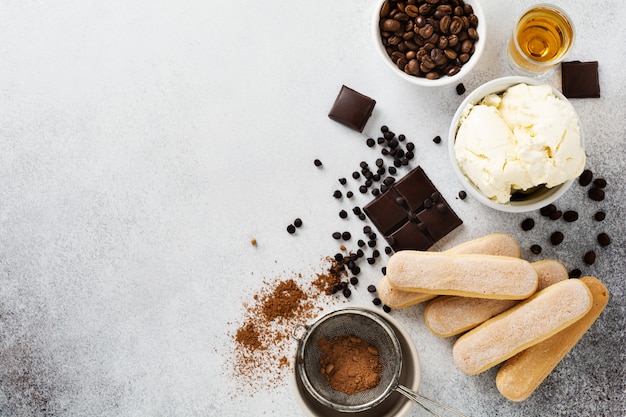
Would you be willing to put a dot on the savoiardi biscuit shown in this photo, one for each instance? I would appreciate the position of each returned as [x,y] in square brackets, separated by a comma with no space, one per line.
[530,322]
[500,244]
[480,276]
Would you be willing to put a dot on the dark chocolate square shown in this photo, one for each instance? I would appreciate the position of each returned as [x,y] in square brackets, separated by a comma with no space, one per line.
[580,79]
[352,109]
[412,214]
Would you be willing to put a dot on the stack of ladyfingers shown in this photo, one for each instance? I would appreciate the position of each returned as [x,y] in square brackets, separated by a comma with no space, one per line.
[527,315]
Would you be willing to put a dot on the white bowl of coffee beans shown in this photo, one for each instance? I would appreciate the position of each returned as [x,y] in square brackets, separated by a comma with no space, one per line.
[429,42]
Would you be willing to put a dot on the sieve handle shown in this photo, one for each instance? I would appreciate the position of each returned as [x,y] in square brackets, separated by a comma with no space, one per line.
[299,330]
[419,399]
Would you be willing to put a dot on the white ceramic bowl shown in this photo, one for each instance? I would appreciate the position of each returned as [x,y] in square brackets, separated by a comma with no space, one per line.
[443,80]
[395,405]
[532,201]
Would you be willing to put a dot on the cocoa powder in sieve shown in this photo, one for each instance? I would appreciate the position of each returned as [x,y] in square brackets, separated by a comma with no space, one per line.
[350,364]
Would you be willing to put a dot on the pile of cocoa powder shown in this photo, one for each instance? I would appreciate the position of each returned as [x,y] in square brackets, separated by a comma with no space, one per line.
[263,343]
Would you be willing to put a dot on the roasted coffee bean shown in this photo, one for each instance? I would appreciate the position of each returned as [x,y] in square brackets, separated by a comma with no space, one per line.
[556,238]
[599,216]
[599,183]
[575,273]
[555,215]
[317,163]
[297,222]
[604,239]
[546,210]
[391,25]
[528,224]
[291,229]
[460,89]
[452,70]
[570,216]
[596,194]
[585,178]
[590,257]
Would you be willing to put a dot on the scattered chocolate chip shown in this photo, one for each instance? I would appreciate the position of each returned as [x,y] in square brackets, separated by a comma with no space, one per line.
[342,181]
[462,195]
[599,216]
[590,257]
[596,194]
[349,194]
[317,163]
[371,288]
[362,216]
[336,235]
[362,189]
[291,229]
[371,261]
[384,129]
[337,194]
[388,250]
[460,89]
[297,222]
[410,146]
[599,183]
[604,239]
[384,270]
[343,214]
[570,216]
[346,235]
[370,142]
[354,280]
[536,249]
[585,178]
[575,273]
[386,308]
[356,175]
[528,224]
[392,171]
[437,139]
[376,301]
[346,292]
[556,238]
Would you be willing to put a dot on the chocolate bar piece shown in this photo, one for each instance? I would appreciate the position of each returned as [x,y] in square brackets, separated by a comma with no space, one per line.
[412,214]
[352,109]
[580,79]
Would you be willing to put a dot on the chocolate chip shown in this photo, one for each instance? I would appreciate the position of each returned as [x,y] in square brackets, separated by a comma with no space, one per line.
[536,249]
[346,235]
[590,257]
[386,308]
[317,163]
[371,261]
[347,293]
[556,238]
[342,181]
[376,301]
[297,222]
[362,216]
[392,170]
[599,216]
[410,146]
[349,194]
[570,216]
[585,178]
[388,250]
[596,194]
[437,139]
[384,270]
[384,129]
[337,194]
[528,224]
[370,142]
[604,239]
[336,235]
[343,214]
[356,175]
[460,89]
[599,183]
[401,137]
[462,195]
[291,228]
[354,280]
[361,243]
[575,273]
[362,189]
[371,288]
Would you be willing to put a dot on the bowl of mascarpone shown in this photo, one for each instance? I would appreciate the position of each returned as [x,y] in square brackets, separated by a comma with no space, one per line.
[515,144]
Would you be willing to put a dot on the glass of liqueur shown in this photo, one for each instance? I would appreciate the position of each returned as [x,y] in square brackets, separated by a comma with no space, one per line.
[542,38]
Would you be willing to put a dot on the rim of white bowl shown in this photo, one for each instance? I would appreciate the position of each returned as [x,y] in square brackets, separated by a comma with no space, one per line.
[475,96]
[444,80]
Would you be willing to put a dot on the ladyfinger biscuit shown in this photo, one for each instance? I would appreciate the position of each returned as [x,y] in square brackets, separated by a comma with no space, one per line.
[480,276]
[451,315]
[493,244]
[530,322]
[519,376]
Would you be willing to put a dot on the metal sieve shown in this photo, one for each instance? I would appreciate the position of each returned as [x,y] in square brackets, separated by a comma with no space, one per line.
[371,328]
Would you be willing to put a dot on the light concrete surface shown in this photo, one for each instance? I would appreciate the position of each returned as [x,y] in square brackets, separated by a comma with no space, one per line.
[143,144]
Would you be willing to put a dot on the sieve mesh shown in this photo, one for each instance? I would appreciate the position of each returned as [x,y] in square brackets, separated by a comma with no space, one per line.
[350,322]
